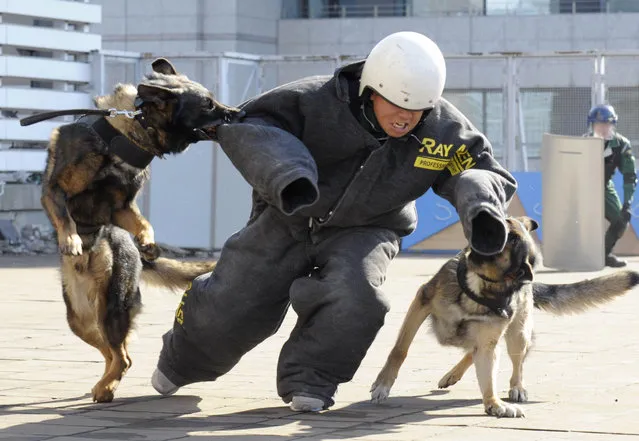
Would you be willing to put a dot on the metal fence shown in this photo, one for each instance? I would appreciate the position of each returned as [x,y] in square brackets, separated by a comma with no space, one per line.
[347,9]
[514,98]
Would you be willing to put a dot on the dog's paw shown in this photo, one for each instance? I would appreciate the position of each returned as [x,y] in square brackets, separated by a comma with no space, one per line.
[448,380]
[499,408]
[380,391]
[71,245]
[518,394]
[102,394]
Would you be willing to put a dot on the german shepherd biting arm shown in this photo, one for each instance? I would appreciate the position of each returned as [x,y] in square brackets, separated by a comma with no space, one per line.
[473,301]
[95,169]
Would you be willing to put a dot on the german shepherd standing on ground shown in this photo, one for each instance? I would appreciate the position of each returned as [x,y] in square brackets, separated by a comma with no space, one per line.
[94,171]
[474,300]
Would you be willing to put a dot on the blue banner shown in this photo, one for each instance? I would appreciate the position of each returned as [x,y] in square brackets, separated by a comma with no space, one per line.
[617,179]
[529,192]
[436,214]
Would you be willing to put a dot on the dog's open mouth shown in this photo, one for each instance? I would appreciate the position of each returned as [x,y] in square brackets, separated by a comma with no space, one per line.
[198,135]
[206,132]
[210,132]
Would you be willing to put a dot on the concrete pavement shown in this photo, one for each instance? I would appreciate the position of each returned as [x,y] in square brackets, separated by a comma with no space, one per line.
[582,376]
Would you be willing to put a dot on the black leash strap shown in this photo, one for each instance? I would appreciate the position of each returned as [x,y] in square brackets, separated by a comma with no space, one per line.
[27,121]
[102,112]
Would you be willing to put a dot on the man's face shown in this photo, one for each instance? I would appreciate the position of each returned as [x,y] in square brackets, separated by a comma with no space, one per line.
[603,130]
[395,121]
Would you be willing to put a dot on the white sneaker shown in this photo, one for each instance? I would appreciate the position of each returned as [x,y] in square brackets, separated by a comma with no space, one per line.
[306,404]
[162,384]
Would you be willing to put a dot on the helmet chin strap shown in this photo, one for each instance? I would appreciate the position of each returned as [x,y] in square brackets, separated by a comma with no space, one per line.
[369,116]
[368,119]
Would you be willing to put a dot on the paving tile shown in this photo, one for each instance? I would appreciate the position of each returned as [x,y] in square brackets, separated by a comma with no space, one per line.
[582,379]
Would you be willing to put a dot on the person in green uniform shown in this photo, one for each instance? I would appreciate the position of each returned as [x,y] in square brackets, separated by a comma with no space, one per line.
[602,122]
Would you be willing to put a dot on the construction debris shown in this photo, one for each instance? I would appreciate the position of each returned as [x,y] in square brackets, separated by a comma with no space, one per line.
[41,239]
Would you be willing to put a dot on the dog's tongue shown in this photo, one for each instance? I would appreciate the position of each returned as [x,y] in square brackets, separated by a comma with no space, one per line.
[211,132]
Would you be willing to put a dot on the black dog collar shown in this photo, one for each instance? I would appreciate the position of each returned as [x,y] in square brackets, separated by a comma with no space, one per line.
[499,305]
[117,143]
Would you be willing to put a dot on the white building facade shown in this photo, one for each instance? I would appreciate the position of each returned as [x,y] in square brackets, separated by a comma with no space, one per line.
[45,48]
[513,98]
[44,65]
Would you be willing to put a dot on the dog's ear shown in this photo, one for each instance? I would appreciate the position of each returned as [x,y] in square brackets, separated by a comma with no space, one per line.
[157,95]
[530,223]
[163,66]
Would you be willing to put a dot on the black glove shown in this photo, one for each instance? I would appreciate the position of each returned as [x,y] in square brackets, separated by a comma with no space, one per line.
[489,234]
[625,212]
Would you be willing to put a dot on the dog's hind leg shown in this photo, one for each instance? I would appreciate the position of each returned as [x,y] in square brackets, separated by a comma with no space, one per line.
[104,389]
[417,312]
[519,341]
[86,289]
[87,331]
[117,325]
[457,372]
[115,329]
[85,326]
[122,304]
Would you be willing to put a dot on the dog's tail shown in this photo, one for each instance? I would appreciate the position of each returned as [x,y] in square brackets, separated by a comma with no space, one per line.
[173,274]
[579,296]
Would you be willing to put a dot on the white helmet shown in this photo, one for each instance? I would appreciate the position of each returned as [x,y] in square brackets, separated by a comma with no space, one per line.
[407,69]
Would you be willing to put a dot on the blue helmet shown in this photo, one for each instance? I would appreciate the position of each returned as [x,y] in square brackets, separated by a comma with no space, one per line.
[602,113]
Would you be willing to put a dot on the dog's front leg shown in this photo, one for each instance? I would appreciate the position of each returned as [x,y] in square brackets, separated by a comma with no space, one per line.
[485,357]
[132,220]
[54,204]
[519,342]
[418,311]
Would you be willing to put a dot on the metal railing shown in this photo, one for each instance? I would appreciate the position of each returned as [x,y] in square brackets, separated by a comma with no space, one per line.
[511,97]
[303,10]
[336,10]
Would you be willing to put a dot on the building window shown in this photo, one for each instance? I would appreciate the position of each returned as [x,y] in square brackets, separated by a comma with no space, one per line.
[37,84]
[581,6]
[34,53]
[344,8]
[42,23]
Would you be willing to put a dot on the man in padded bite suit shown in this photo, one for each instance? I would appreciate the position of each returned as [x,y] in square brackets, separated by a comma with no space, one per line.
[335,163]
